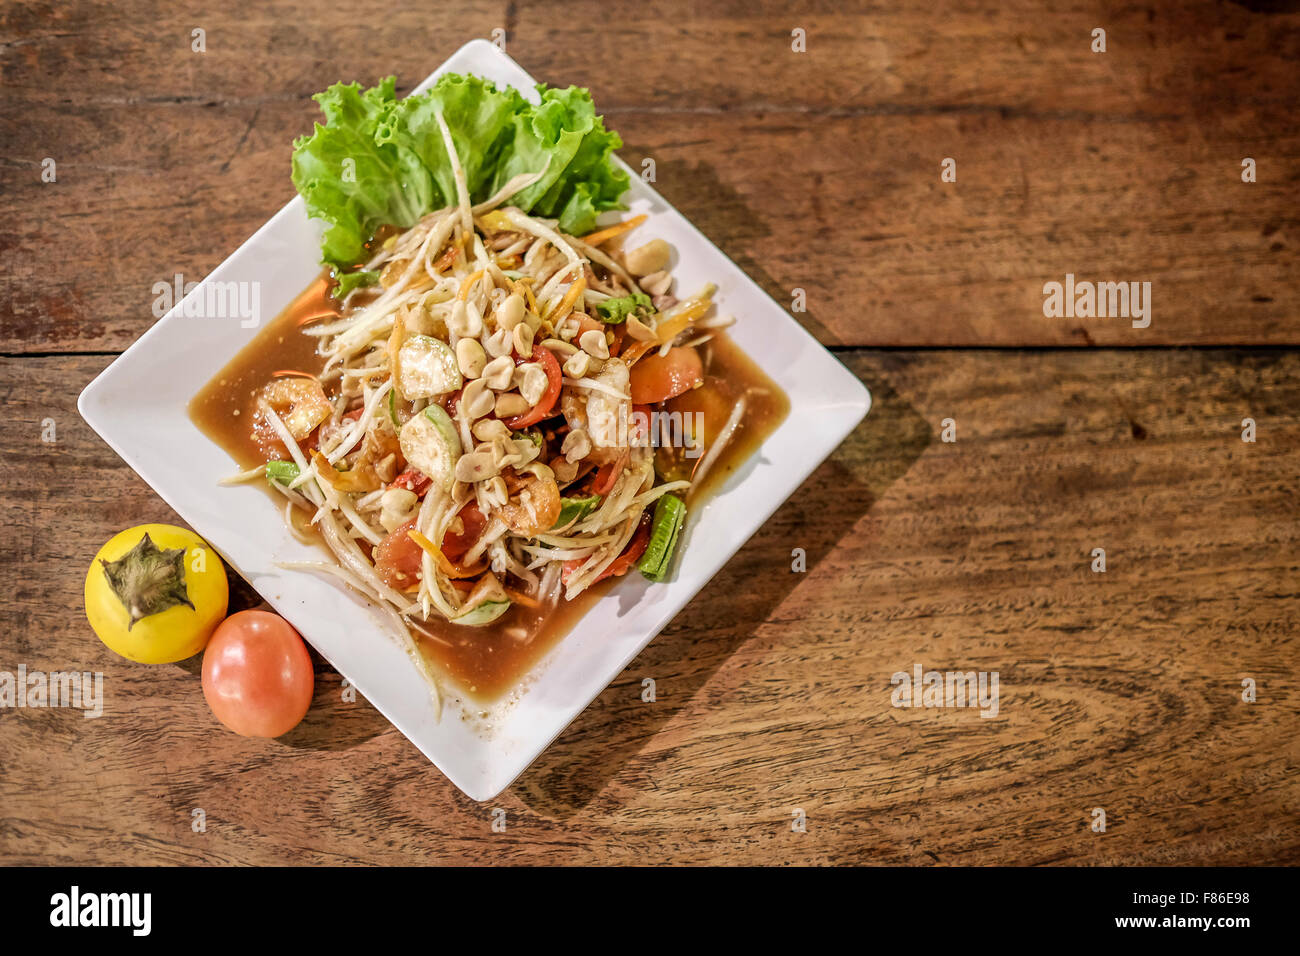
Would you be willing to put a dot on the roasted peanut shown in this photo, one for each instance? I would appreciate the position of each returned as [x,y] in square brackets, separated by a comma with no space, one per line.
[510,404]
[511,312]
[647,259]
[499,372]
[470,357]
[593,342]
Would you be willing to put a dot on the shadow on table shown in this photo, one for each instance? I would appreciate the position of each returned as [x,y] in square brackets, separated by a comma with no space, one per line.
[617,725]
[723,216]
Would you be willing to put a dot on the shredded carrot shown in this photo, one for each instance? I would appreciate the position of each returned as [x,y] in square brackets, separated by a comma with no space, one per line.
[469,284]
[426,544]
[566,304]
[636,351]
[604,235]
[447,258]
[670,329]
[520,598]
[445,564]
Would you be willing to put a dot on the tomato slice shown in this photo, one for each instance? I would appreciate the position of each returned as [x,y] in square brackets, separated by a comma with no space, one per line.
[657,378]
[413,481]
[397,558]
[554,380]
[625,561]
[456,545]
[605,478]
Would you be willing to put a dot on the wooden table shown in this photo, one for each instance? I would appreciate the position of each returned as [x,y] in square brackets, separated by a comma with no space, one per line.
[818,170]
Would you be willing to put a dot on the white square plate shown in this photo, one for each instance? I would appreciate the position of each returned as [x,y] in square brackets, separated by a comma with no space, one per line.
[151,430]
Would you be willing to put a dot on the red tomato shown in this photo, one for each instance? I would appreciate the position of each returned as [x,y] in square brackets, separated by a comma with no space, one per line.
[625,561]
[603,483]
[397,558]
[413,481]
[257,674]
[656,379]
[454,545]
[554,381]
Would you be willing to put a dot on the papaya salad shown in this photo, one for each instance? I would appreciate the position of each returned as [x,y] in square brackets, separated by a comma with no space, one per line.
[479,421]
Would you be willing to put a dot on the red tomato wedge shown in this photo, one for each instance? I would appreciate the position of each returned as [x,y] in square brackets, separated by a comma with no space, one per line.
[657,378]
[625,561]
[554,380]
[413,481]
[455,545]
[605,478]
[397,558]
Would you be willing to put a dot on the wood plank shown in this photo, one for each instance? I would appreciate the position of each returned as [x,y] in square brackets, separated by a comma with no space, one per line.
[1190,60]
[887,255]
[1119,690]
[817,171]
[168,159]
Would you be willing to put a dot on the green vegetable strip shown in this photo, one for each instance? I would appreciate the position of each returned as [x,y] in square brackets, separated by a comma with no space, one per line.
[614,311]
[379,161]
[285,472]
[572,509]
[347,281]
[670,511]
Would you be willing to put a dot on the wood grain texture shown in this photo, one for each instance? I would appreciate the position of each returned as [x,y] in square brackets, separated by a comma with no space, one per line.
[816,170]
[1120,690]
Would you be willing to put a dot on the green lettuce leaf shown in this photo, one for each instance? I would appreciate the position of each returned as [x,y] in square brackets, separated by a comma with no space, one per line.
[379,161]
[614,311]
[479,117]
[352,182]
[546,136]
[345,282]
[590,183]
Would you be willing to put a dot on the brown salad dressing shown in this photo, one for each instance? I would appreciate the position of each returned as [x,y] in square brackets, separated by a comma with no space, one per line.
[486,662]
